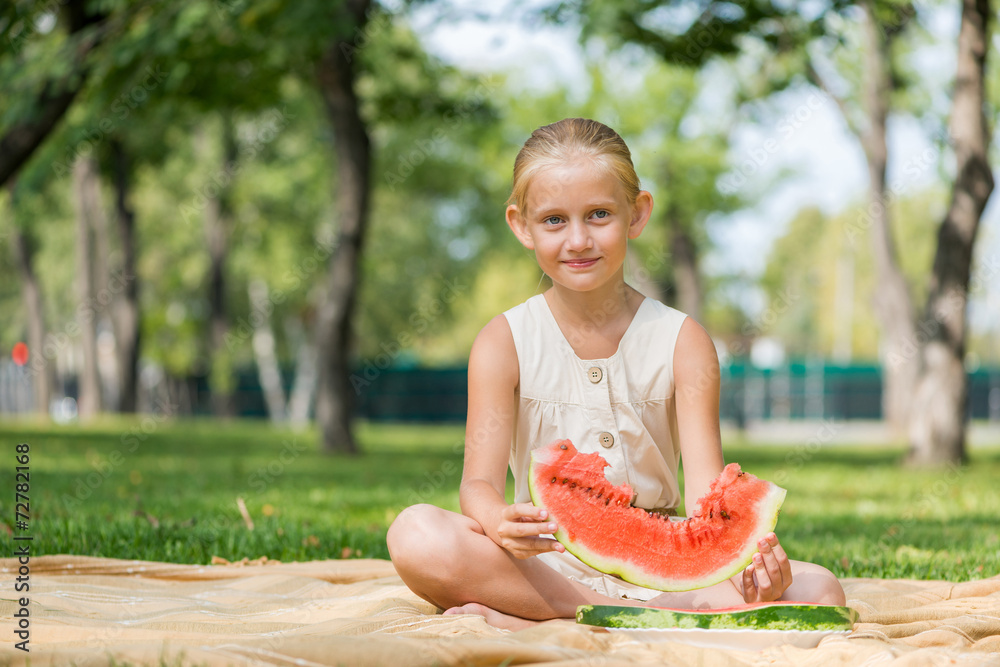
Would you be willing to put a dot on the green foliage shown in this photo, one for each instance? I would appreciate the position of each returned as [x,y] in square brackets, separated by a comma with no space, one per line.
[163,80]
[435,196]
[818,256]
[168,491]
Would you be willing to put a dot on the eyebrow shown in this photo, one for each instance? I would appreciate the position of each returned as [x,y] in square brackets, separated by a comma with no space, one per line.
[548,210]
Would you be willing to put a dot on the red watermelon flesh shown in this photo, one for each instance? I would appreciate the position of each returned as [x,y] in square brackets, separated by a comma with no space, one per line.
[597,523]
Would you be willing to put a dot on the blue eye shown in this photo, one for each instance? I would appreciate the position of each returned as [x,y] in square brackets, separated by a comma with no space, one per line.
[552,220]
[601,214]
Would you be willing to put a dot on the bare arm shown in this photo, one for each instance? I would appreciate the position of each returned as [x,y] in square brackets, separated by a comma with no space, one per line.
[696,392]
[697,377]
[493,379]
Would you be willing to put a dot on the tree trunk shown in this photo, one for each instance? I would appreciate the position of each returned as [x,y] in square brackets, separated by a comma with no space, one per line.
[893,304]
[937,425]
[218,226]
[108,364]
[684,260]
[39,368]
[306,374]
[127,329]
[87,199]
[335,76]
[268,369]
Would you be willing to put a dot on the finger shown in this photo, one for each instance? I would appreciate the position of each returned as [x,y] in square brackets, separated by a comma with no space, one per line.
[553,545]
[526,547]
[527,512]
[526,529]
[534,529]
[772,565]
[783,562]
[749,590]
[764,587]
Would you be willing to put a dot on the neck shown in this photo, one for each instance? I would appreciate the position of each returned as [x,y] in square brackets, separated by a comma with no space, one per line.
[597,308]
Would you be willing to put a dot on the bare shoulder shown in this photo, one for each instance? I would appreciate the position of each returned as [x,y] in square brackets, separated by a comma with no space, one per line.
[696,364]
[695,351]
[494,355]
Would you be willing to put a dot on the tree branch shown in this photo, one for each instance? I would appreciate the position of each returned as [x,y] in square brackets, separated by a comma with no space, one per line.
[20,140]
[816,79]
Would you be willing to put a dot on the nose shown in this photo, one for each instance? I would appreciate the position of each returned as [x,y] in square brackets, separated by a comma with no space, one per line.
[578,236]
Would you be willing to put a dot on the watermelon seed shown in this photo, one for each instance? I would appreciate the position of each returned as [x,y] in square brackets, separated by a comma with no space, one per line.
[740,473]
[573,485]
[710,514]
[607,501]
[565,480]
[553,480]
[724,515]
[562,446]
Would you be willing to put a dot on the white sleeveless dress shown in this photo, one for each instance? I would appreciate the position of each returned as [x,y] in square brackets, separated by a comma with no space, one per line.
[622,407]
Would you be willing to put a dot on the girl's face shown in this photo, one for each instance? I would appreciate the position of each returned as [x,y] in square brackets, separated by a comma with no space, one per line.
[578,220]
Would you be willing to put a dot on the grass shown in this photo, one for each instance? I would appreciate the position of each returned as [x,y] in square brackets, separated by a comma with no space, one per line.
[168,491]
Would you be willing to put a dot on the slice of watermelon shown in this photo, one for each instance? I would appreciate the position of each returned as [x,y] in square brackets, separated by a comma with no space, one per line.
[761,616]
[597,523]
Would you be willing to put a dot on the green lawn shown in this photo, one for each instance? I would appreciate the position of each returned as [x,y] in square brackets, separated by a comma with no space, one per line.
[168,491]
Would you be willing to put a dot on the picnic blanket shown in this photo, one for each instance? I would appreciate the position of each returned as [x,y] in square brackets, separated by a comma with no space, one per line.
[101,611]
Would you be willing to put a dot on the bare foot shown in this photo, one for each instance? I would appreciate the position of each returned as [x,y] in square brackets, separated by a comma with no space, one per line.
[495,618]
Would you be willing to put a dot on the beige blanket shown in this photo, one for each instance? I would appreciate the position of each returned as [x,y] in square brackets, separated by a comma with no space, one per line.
[97,611]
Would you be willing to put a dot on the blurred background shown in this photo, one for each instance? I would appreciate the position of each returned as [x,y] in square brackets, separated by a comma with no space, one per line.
[293,211]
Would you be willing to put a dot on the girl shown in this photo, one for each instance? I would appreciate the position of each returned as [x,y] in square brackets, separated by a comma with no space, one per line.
[594,361]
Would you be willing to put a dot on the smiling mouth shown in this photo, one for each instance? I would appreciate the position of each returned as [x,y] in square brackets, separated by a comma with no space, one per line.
[579,263]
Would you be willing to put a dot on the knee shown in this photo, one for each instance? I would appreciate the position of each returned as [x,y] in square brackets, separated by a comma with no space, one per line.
[831,591]
[821,585]
[416,536]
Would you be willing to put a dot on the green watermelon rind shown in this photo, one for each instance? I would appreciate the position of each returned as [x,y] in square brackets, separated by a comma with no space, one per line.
[776,616]
[767,514]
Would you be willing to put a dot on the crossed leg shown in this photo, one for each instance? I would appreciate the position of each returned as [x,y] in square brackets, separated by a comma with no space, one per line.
[447,559]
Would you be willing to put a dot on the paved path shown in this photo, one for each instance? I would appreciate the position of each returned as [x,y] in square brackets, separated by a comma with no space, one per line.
[829,432]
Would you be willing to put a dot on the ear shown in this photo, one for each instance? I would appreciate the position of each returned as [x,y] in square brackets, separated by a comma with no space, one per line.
[641,211]
[519,226]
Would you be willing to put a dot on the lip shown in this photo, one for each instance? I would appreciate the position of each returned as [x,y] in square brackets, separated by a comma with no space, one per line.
[581,263]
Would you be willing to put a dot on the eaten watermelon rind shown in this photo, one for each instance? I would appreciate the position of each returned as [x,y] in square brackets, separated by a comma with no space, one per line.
[561,460]
[768,518]
[770,616]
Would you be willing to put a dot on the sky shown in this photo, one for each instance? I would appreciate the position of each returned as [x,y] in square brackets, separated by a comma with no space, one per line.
[809,135]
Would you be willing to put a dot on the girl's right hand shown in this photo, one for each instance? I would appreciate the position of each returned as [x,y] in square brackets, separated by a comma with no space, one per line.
[521,525]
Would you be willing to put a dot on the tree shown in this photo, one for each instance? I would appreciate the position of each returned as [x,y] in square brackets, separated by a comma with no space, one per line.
[52,95]
[788,35]
[819,277]
[127,316]
[86,197]
[881,26]
[335,74]
[24,244]
[218,220]
[690,168]
[937,428]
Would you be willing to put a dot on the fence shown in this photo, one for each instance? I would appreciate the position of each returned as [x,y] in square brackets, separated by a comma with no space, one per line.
[797,391]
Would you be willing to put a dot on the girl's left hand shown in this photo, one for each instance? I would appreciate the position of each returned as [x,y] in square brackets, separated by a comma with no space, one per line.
[770,573]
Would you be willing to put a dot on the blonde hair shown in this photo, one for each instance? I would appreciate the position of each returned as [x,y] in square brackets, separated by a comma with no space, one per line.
[565,140]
